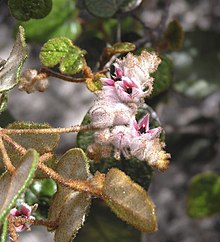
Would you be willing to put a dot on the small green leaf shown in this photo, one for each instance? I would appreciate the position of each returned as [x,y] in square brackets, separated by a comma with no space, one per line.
[94,84]
[163,76]
[129,201]
[123,47]
[61,50]
[23,10]
[12,186]
[3,101]
[10,72]
[204,195]
[174,35]
[69,207]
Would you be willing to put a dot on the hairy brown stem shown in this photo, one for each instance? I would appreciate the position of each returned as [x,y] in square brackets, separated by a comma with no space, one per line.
[17,221]
[6,158]
[78,185]
[21,150]
[11,230]
[58,75]
[76,128]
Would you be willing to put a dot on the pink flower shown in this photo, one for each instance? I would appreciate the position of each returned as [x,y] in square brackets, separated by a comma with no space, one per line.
[106,113]
[25,212]
[138,68]
[142,127]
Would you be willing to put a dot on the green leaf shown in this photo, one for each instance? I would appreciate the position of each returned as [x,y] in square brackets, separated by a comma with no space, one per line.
[70,207]
[10,72]
[4,230]
[3,101]
[12,186]
[163,76]
[61,50]
[129,201]
[123,47]
[204,195]
[54,23]
[94,84]
[103,9]
[23,10]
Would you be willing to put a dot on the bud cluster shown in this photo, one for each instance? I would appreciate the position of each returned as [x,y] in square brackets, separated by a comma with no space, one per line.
[115,109]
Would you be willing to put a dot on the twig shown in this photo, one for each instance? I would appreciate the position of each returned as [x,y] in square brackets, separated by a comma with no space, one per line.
[58,75]
[76,128]
[11,230]
[6,158]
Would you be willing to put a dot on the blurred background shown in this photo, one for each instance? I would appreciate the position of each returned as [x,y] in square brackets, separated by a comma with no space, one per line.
[189,111]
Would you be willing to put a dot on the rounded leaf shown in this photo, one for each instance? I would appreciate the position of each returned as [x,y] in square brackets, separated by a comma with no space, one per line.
[61,50]
[129,201]
[204,195]
[69,207]
[23,10]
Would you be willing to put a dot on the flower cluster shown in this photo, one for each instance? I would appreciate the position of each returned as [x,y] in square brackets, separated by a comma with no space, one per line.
[115,109]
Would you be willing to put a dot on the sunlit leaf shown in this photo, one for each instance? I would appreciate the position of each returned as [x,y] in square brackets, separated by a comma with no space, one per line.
[23,10]
[129,201]
[69,207]
[10,72]
[123,47]
[62,51]
[12,186]
[204,195]
[94,84]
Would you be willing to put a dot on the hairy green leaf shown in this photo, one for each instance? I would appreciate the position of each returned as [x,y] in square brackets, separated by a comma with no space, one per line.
[70,207]
[129,201]
[10,72]
[12,186]
[61,50]
[204,195]
[23,10]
